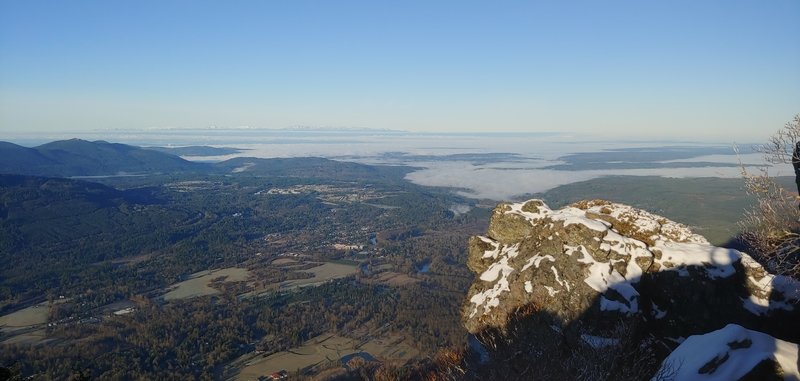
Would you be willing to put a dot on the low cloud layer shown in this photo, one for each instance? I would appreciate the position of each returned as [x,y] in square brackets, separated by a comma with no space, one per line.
[490,166]
[504,184]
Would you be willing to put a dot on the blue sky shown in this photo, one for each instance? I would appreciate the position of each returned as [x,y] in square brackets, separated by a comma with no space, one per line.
[718,70]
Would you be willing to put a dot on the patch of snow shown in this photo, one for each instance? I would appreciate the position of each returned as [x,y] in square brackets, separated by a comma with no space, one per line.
[496,269]
[516,208]
[528,286]
[536,260]
[568,216]
[603,276]
[735,362]
[600,274]
[490,253]
[511,251]
[575,216]
[646,222]
[629,294]
[716,261]
[629,247]
[758,302]
[563,283]
[756,305]
[551,291]
[569,250]
[490,298]
[657,312]
[612,305]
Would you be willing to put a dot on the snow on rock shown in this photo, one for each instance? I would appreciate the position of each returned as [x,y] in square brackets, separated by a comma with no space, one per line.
[764,285]
[498,273]
[596,255]
[568,216]
[536,260]
[657,312]
[495,248]
[730,353]
[717,261]
[500,267]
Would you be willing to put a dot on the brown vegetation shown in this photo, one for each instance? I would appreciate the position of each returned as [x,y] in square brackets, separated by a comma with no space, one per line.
[771,228]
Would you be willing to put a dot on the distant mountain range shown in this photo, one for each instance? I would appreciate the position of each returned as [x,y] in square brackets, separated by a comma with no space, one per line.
[76,157]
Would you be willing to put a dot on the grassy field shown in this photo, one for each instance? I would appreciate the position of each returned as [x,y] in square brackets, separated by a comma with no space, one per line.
[317,351]
[390,348]
[199,283]
[320,351]
[33,315]
[392,278]
[283,261]
[25,326]
[25,318]
[31,337]
[322,273]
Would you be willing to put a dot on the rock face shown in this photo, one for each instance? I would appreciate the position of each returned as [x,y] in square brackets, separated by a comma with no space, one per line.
[593,263]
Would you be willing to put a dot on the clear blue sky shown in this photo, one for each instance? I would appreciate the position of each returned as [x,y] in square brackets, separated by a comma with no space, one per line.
[715,69]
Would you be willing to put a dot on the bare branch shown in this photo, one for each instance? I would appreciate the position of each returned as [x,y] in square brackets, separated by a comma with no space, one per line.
[772,226]
[779,147]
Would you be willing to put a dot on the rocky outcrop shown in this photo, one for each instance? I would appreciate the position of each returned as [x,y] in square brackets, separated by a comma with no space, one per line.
[593,263]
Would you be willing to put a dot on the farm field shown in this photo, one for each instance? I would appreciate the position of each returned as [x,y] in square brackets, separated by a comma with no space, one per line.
[25,318]
[24,326]
[322,273]
[323,350]
[392,278]
[200,283]
[317,351]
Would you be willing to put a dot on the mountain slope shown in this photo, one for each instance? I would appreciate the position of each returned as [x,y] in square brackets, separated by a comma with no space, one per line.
[76,157]
[53,226]
[16,159]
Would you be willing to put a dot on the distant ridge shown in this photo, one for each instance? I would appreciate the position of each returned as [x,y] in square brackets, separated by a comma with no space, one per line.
[76,157]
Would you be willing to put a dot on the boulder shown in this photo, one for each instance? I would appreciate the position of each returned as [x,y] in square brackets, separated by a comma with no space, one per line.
[595,262]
